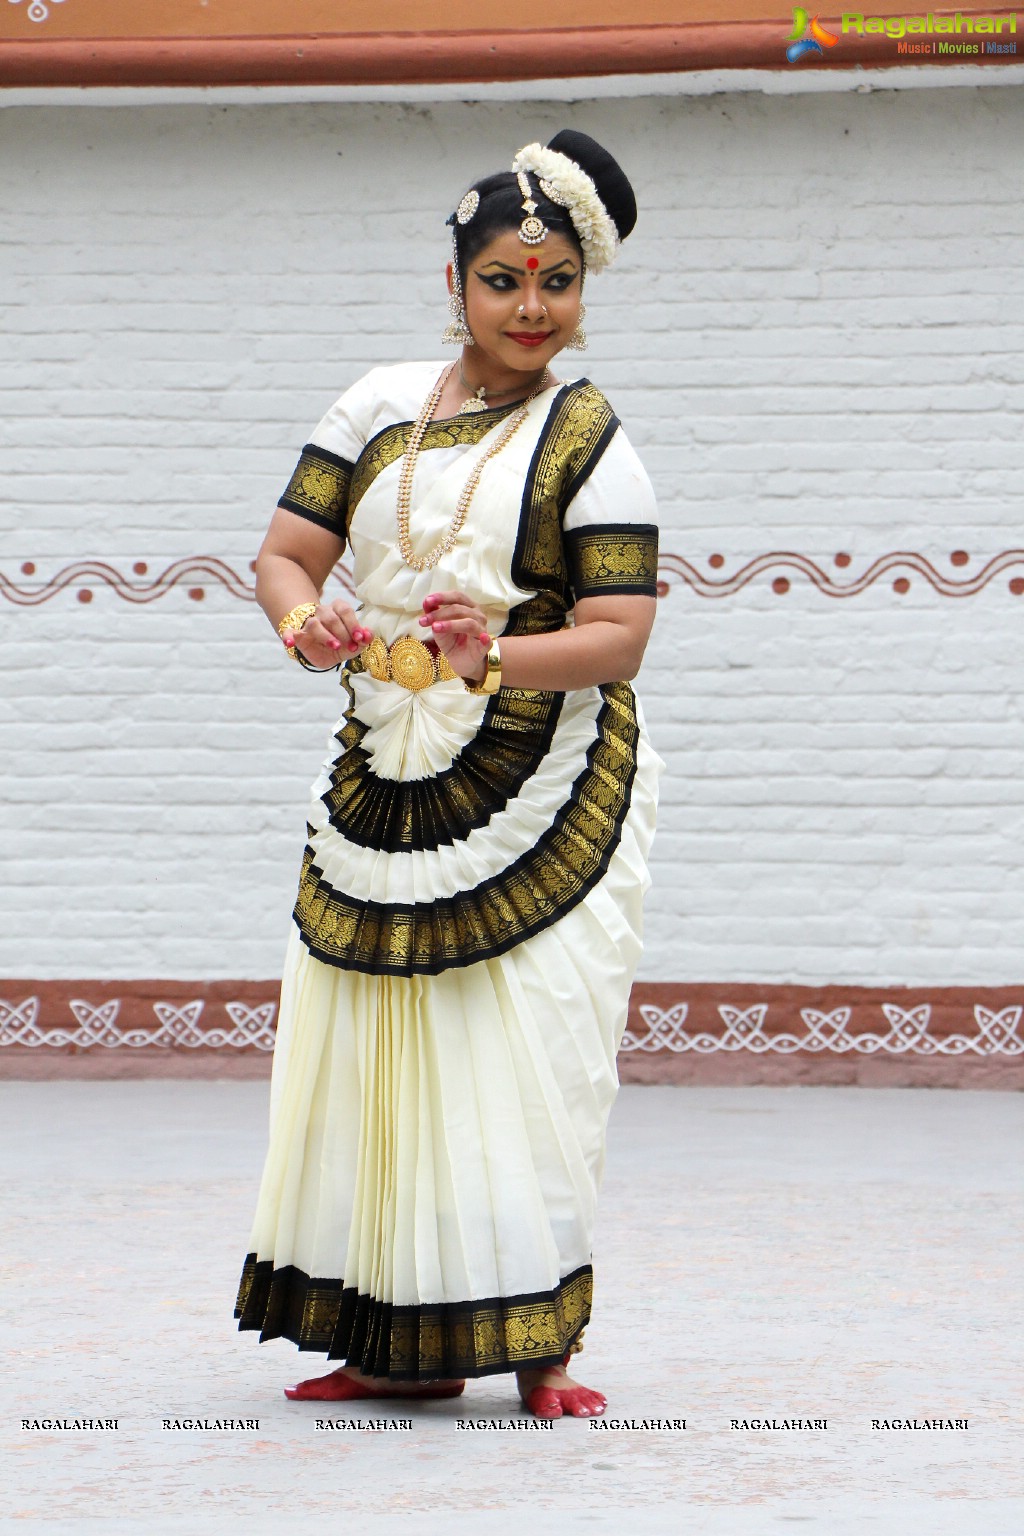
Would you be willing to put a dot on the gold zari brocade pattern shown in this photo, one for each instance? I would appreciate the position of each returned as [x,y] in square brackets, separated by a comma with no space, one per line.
[468,1338]
[390,444]
[613,559]
[403,815]
[572,444]
[318,489]
[503,911]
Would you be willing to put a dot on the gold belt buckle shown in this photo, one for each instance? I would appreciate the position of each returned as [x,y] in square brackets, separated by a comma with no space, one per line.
[408,662]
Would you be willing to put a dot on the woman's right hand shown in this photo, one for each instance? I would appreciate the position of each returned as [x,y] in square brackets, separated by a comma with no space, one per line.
[331,634]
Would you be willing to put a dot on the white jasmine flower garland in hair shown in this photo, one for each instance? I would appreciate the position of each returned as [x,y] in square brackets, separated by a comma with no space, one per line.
[566,183]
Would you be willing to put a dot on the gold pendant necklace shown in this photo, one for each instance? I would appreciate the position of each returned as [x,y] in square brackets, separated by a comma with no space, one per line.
[478,398]
[412,448]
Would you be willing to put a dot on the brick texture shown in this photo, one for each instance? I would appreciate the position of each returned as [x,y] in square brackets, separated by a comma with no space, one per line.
[814,339]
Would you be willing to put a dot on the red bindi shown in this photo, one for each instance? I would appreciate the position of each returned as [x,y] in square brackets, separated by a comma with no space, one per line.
[532,263]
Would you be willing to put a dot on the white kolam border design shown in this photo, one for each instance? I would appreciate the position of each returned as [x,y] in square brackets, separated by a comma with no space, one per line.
[97,1025]
[663,1030]
[907,1033]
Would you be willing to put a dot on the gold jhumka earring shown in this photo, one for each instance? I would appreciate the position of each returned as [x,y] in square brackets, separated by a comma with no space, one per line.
[457,332]
[578,340]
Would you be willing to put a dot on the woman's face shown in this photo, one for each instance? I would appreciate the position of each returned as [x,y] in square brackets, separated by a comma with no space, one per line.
[523,301]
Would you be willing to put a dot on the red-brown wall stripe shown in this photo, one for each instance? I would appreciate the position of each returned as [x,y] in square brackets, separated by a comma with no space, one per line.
[677,1032]
[432,57]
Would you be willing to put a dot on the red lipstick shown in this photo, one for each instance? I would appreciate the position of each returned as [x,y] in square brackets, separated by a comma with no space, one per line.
[529,338]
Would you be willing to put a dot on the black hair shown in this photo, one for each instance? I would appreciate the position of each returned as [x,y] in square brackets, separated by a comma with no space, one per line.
[501,208]
[501,199]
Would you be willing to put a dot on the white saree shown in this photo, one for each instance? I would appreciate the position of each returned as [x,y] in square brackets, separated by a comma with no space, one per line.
[469,912]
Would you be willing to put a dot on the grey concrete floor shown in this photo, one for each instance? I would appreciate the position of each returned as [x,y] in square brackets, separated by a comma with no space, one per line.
[845,1254]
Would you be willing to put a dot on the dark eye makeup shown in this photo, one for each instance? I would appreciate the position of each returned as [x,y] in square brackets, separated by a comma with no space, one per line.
[504,282]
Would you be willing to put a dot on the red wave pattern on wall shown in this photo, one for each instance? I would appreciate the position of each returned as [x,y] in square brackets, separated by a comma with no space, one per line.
[85,574]
[899,560]
[208,570]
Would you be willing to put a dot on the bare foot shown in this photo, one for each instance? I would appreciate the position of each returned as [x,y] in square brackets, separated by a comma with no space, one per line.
[348,1383]
[552,1392]
[401,1388]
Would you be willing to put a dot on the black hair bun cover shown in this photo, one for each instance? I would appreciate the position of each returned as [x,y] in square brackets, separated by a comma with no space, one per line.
[609,178]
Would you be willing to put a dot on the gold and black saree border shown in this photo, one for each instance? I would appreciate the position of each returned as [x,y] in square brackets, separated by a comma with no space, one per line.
[523,899]
[391,441]
[613,559]
[571,856]
[414,1343]
[417,815]
[579,427]
[319,488]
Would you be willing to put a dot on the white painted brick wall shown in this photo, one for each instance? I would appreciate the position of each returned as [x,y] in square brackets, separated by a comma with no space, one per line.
[814,339]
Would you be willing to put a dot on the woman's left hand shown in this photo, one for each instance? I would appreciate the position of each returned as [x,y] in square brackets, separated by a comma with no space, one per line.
[459,627]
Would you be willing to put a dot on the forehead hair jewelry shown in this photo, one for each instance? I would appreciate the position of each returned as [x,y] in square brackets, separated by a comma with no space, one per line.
[564,182]
[468,206]
[532,230]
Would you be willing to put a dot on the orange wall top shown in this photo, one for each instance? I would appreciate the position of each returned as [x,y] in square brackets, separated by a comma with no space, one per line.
[269,18]
[377,42]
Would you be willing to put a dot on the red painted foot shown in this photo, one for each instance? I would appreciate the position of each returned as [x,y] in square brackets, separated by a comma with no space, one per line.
[553,1403]
[339,1388]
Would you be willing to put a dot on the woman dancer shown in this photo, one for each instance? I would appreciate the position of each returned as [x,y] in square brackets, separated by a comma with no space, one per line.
[468,919]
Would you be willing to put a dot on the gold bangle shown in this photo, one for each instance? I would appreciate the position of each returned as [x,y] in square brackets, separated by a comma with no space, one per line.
[492,677]
[295,620]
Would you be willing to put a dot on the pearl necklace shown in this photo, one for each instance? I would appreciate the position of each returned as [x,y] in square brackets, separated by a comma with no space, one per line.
[412,448]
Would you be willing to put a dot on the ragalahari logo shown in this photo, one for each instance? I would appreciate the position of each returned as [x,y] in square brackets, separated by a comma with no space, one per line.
[800,45]
[930,34]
